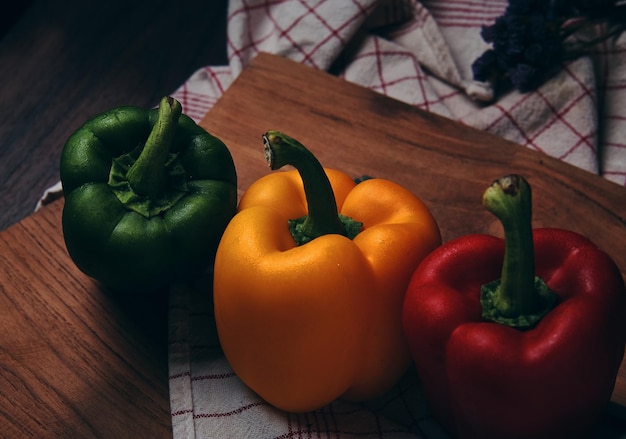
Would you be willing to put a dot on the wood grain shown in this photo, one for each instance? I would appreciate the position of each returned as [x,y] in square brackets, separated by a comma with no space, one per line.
[79,361]
[447,164]
[75,360]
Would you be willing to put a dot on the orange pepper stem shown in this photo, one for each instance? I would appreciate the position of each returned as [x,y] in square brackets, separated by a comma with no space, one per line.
[323,217]
[148,175]
[519,298]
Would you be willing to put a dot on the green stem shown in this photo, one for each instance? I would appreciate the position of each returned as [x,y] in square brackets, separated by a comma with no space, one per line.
[148,176]
[322,217]
[518,298]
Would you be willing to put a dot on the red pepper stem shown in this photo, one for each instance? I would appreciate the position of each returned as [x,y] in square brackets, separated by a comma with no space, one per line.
[148,175]
[322,217]
[518,298]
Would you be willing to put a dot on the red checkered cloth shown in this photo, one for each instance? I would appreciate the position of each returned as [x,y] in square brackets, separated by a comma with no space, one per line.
[420,53]
[425,60]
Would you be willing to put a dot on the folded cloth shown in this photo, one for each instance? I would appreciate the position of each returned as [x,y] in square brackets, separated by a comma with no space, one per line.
[420,53]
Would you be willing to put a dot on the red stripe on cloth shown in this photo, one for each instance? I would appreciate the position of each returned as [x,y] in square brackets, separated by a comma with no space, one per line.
[379,66]
[335,32]
[464,13]
[284,33]
[232,412]
[182,412]
[217,376]
[508,114]
[247,11]
[179,375]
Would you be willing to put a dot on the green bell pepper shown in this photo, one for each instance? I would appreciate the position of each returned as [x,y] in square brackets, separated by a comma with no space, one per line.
[148,194]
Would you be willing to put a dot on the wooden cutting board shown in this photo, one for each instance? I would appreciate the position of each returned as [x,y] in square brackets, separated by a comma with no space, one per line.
[447,164]
[77,361]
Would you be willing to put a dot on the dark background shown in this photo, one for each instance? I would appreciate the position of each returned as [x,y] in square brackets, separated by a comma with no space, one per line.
[62,62]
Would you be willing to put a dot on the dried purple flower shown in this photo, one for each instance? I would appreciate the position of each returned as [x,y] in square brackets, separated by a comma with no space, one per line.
[528,40]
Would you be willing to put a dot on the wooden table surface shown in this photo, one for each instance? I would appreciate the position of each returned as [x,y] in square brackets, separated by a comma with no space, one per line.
[77,361]
[60,63]
[64,61]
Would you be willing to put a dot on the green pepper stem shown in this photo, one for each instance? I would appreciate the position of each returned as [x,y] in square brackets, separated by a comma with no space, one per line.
[148,176]
[322,217]
[518,298]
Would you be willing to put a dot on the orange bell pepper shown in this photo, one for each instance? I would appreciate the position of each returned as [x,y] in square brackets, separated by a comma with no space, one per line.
[304,323]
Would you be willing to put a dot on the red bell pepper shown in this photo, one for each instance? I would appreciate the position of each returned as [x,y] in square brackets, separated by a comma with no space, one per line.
[506,359]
